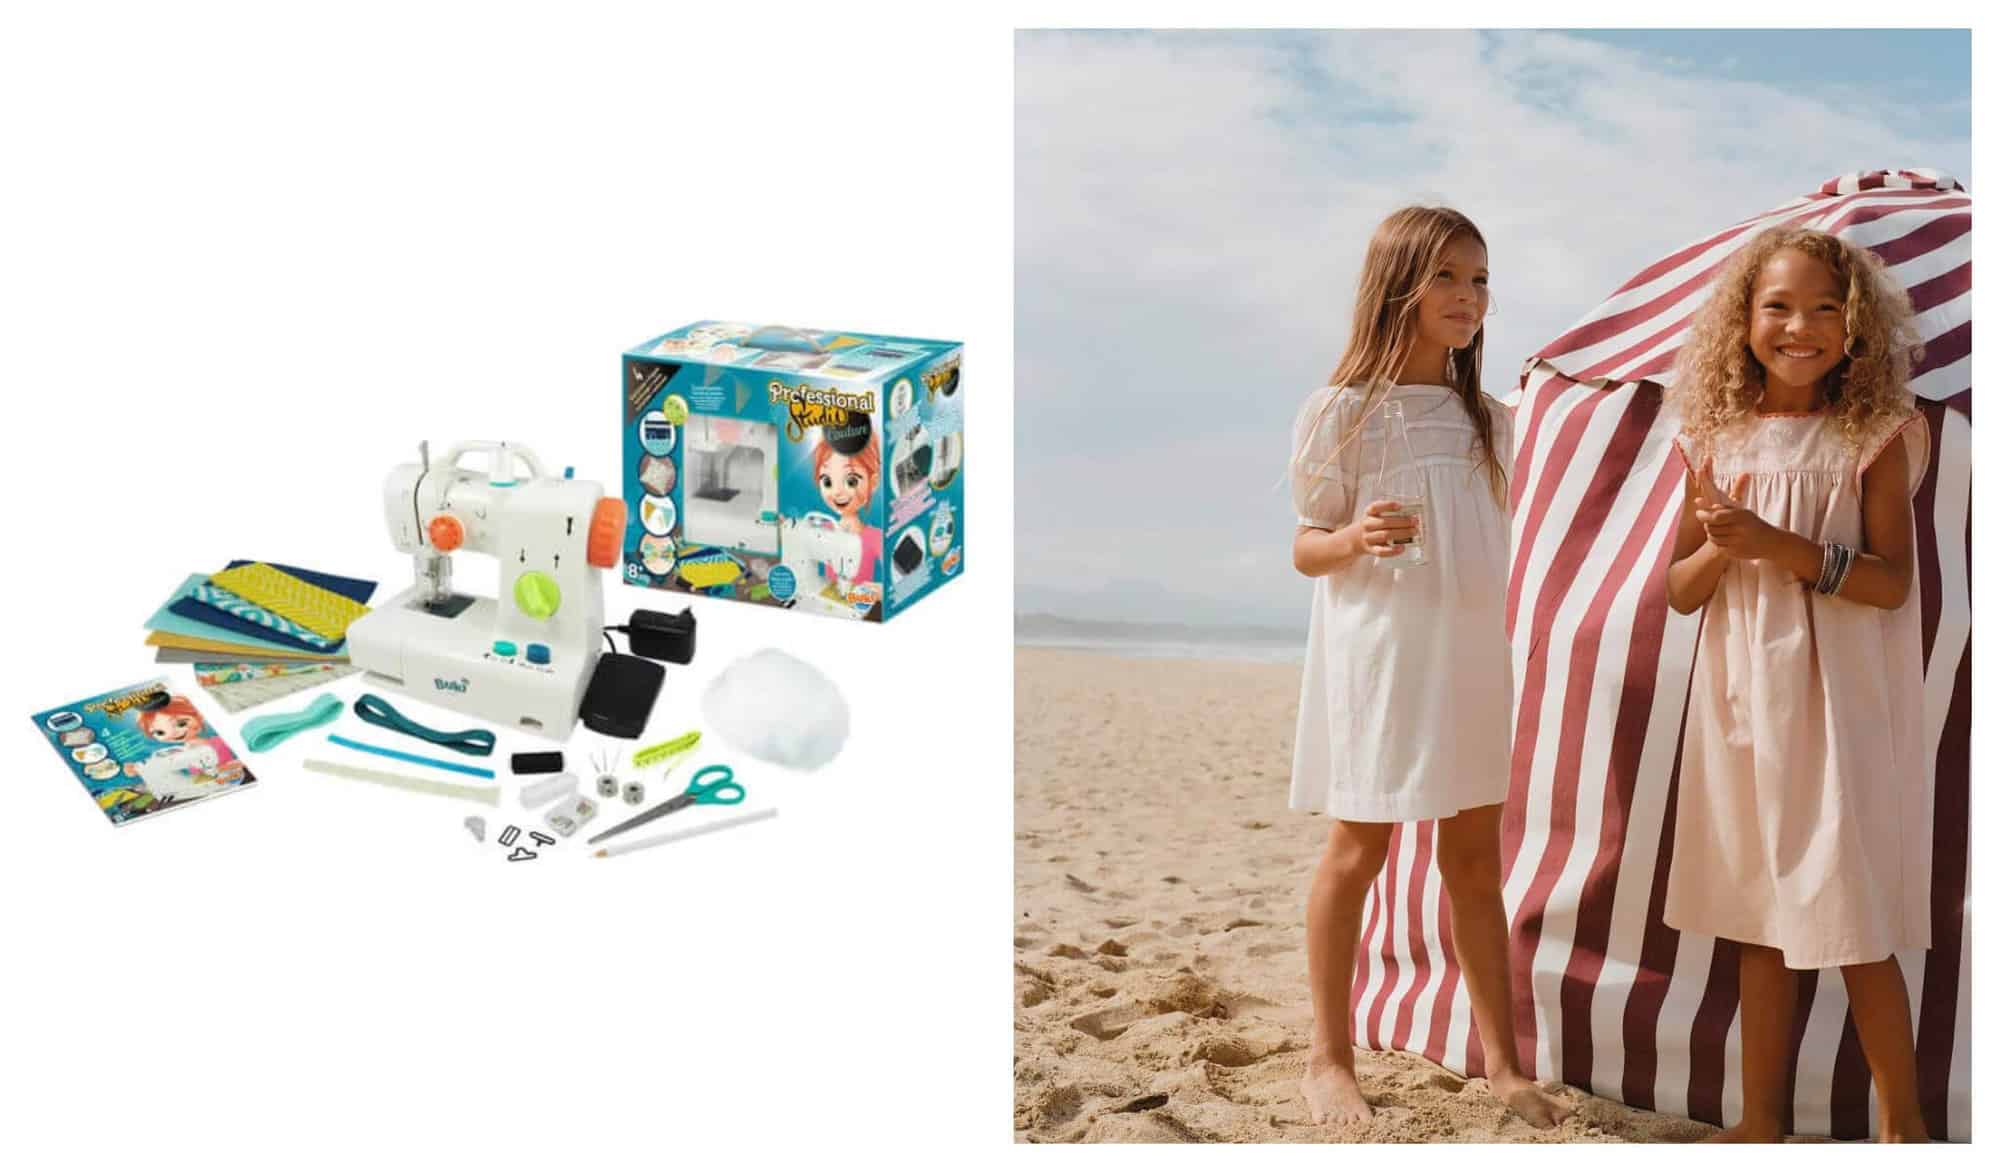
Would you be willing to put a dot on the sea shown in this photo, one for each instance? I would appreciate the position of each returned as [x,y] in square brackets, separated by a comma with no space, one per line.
[1155,641]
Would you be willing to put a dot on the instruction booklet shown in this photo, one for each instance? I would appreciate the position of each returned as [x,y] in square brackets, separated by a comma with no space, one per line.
[143,750]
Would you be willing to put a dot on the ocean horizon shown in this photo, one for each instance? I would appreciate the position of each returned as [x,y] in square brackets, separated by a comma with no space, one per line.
[1162,640]
[1240,653]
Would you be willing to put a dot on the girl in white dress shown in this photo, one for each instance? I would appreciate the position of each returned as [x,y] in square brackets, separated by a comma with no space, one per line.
[1405,707]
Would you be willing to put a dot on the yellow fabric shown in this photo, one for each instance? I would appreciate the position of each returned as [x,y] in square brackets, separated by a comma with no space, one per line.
[317,610]
[705,574]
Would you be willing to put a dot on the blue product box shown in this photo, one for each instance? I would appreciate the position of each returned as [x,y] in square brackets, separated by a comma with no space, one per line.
[818,470]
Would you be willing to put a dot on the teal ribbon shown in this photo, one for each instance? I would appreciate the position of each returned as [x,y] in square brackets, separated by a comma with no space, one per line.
[474,742]
[413,758]
[264,733]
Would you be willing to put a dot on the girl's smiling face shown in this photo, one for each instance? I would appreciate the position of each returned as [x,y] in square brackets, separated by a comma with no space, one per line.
[173,729]
[1454,307]
[843,484]
[1798,320]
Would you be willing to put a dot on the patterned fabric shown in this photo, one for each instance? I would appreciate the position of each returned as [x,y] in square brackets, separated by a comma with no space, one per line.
[247,694]
[320,611]
[235,673]
[230,603]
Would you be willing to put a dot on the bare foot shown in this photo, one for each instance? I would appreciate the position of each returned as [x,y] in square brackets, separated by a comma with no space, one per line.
[1748,1133]
[1527,1100]
[1891,1131]
[1332,1095]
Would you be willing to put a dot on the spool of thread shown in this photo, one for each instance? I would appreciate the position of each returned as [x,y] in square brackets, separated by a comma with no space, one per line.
[538,762]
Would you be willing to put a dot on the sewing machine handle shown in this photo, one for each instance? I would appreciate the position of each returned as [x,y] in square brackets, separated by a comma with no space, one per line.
[494,451]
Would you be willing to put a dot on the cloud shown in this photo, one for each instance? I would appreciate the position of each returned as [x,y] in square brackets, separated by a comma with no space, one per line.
[1191,210]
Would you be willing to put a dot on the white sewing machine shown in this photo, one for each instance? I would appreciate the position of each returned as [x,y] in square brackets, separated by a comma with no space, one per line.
[184,772]
[524,659]
[820,554]
[731,484]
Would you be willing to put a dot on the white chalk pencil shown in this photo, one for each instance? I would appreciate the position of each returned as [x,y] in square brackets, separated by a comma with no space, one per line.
[490,794]
[639,844]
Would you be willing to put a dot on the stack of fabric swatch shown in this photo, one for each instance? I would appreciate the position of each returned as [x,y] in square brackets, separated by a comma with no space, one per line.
[259,631]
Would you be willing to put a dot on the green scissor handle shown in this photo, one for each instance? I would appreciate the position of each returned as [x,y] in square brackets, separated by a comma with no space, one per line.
[723,791]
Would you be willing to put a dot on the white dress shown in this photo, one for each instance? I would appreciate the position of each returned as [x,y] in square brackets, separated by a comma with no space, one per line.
[1405,709]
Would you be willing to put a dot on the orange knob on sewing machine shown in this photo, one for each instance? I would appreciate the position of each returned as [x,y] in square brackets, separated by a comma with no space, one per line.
[446,532]
[607,532]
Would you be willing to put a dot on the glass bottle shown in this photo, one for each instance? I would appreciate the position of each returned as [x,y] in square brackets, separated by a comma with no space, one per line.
[1402,481]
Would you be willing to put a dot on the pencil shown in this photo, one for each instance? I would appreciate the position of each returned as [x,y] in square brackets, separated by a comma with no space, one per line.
[639,844]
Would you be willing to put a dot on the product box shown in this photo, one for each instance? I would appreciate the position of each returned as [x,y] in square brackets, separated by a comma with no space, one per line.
[818,470]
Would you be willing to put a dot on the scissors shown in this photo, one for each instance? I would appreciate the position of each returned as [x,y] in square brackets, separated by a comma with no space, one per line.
[723,791]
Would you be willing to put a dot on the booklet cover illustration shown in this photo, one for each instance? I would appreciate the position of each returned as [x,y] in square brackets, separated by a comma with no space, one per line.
[143,750]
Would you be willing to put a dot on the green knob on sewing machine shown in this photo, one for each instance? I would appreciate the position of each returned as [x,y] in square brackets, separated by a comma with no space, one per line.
[537,594]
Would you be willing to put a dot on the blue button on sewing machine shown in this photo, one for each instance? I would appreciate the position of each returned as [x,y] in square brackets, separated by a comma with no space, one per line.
[503,647]
[538,653]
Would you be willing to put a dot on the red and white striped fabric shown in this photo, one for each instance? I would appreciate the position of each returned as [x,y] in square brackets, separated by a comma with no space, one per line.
[1607,997]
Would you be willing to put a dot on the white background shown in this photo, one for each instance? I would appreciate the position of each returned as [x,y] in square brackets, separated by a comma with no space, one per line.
[247,260]
[250,260]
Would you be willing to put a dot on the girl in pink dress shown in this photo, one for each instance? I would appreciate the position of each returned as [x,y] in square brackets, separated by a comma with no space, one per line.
[1803,816]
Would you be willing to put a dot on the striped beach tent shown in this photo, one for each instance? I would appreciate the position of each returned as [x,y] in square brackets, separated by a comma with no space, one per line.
[1607,997]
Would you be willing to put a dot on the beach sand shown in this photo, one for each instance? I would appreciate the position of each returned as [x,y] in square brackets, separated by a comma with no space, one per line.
[1159,956]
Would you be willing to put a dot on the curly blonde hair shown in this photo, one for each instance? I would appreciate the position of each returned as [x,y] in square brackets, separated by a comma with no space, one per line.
[1718,381]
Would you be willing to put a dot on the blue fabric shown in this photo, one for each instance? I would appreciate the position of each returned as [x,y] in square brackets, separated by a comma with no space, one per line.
[195,610]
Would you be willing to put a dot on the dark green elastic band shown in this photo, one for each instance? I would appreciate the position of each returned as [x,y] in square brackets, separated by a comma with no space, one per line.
[473,742]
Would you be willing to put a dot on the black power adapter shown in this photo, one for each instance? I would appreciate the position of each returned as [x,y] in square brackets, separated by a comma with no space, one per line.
[658,635]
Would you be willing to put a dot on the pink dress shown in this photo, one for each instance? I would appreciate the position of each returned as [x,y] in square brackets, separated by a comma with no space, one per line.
[1804,810]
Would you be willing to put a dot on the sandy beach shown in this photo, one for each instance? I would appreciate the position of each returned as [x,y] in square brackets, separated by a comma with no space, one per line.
[1159,958]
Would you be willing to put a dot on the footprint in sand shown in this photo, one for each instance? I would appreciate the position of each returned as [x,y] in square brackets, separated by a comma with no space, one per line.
[1107,1023]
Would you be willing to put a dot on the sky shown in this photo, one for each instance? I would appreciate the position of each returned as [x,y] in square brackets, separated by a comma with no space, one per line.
[1191,209]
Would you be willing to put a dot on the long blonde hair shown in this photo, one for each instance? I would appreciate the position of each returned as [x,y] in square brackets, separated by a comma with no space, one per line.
[1718,381]
[1402,260]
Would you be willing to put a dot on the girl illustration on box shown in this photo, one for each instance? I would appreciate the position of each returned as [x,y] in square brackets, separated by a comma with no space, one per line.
[187,763]
[1802,826]
[847,465]
[1405,707]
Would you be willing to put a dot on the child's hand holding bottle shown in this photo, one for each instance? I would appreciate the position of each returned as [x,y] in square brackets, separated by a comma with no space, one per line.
[1387,530]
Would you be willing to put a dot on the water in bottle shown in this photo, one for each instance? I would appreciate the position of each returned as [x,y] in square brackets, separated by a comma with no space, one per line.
[1402,481]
